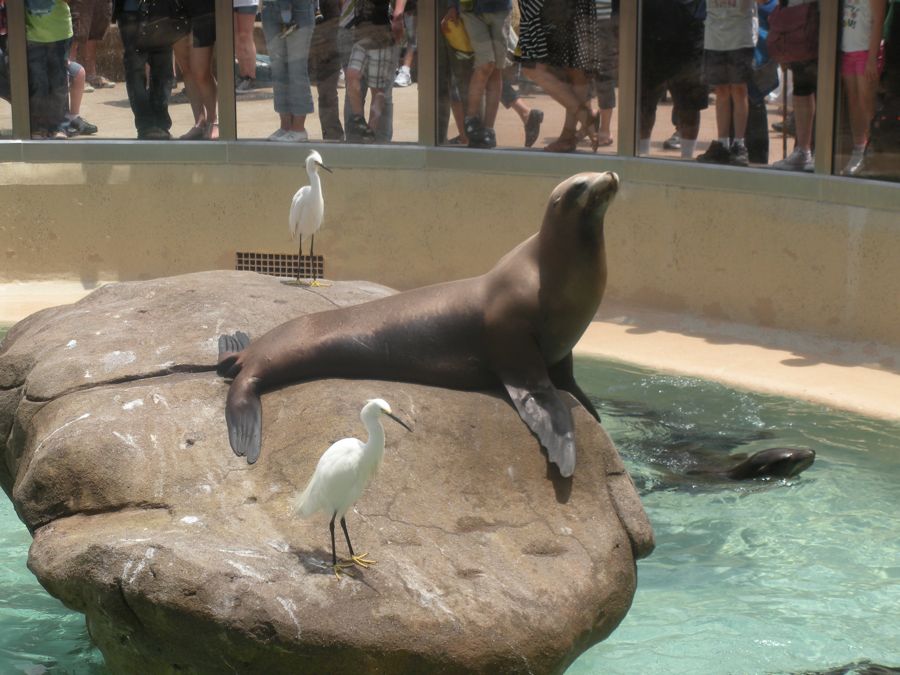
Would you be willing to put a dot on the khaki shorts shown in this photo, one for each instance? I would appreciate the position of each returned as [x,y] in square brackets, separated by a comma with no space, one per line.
[488,34]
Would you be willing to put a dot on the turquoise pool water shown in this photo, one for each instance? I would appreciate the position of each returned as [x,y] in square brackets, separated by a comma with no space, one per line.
[765,577]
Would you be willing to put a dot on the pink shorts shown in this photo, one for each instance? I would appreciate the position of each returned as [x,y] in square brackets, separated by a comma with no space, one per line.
[854,63]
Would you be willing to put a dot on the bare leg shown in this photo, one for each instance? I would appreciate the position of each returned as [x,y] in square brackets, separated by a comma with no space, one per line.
[804,113]
[741,106]
[723,110]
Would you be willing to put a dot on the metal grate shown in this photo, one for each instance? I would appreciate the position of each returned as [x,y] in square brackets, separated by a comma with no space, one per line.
[281,264]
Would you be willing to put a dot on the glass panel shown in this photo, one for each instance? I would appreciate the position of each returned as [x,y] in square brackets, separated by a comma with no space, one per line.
[78,65]
[552,63]
[306,51]
[867,134]
[5,110]
[707,77]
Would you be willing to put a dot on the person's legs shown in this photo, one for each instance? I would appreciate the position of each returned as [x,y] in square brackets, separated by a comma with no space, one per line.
[160,87]
[740,109]
[201,67]
[299,94]
[181,51]
[723,110]
[134,63]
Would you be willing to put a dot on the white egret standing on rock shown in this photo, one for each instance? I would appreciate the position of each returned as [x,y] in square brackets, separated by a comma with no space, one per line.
[308,209]
[342,473]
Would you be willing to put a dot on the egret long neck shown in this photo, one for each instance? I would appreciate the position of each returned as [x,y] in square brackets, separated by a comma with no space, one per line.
[374,447]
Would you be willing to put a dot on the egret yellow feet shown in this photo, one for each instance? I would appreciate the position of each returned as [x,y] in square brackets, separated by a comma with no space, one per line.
[341,566]
[363,560]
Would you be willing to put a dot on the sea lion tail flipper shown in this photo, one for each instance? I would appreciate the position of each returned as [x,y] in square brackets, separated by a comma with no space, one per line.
[550,420]
[243,414]
[229,348]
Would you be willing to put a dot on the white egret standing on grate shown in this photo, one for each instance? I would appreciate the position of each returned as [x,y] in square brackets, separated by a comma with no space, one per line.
[342,473]
[308,209]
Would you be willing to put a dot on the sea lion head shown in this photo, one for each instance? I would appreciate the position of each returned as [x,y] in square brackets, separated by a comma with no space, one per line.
[580,202]
[775,462]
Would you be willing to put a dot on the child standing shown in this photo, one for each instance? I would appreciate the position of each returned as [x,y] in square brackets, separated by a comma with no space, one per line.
[727,67]
[861,26]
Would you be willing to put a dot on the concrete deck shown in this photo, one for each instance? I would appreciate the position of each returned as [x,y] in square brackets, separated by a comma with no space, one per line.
[860,377]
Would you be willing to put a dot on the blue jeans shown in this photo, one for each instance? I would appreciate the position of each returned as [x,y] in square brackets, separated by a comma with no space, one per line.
[48,84]
[149,98]
[289,57]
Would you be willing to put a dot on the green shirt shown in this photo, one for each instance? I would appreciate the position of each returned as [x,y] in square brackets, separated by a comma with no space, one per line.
[52,27]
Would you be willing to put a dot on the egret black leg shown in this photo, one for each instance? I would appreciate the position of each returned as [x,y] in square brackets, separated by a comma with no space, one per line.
[361,560]
[300,257]
[331,527]
[312,246]
[347,535]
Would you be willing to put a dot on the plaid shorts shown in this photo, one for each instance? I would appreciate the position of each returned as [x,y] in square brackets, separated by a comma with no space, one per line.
[378,65]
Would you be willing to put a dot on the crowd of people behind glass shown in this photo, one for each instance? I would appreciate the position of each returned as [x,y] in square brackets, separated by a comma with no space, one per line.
[736,55]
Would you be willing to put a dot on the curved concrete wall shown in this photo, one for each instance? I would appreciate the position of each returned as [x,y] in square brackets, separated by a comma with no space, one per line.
[805,253]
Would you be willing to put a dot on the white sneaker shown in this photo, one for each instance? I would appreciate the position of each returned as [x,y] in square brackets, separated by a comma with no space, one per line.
[277,135]
[341,80]
[798,160]
[404,78]
[855,165]
[295,137]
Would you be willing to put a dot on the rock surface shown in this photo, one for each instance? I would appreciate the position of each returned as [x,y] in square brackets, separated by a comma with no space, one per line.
[115,453]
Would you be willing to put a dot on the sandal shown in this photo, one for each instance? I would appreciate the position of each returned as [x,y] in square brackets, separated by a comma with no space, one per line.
[588,123]
[195,133]
[565,143]
[211,132]
[604,140]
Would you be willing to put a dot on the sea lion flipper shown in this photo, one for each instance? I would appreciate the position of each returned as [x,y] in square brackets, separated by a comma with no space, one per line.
[243,414]
[562,375]
[229,348]
[549,419]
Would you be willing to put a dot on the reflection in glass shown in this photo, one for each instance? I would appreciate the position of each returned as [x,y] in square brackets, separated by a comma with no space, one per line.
[560,55]
[671,44]
[862,67]
[194,58]
[48,30]
[366,47]
[5,93]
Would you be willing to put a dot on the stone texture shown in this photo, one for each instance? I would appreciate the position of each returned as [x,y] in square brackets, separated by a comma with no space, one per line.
[183,557]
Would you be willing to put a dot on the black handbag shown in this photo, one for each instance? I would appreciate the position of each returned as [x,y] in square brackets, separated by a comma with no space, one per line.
[162,24]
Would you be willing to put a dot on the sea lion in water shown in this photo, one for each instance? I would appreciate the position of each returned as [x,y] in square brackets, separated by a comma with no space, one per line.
[768,463]
[516,325]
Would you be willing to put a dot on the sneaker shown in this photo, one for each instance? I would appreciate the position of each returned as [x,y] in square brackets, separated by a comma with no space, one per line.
[277,134]
[154,134]
[475,132]
[293,137]
[798,160]
[489,138]
[404,78]
[245,86]
[88,89]
[359,131]
[716,153]
[100,82]
[533,126]
[78,126]
[287,29]
[39,135]
[341,80]
[673,142]
[790,129]
[856,164]
[738,155]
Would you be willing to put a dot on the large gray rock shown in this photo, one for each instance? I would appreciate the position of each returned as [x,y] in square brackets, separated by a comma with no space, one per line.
[183,557]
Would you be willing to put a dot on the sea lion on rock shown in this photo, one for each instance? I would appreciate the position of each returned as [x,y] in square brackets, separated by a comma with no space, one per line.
[516,325]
